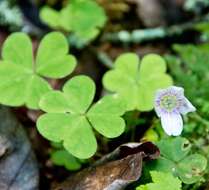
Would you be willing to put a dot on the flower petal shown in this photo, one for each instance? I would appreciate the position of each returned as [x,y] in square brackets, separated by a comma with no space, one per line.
[158,110]
[158,95]
[176,89]
[186,107]
[172,123]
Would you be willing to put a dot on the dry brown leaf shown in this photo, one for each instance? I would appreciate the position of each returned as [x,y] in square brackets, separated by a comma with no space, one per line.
[114,171]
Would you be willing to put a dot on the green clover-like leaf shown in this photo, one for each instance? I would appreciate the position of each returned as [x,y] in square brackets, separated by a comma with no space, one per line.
[137,82]
[63,158]
[174,149]
[176,158]
[70,116]
[162,181]
[83,17]
[21,79]
[191,168]
[50,16]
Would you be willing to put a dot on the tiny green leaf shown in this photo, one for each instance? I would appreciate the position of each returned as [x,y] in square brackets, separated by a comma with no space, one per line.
[63,158]
[21,79]
[70,116]
[161,181]
[136,83]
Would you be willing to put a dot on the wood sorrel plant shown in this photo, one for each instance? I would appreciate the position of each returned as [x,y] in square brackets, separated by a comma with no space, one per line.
[71,114]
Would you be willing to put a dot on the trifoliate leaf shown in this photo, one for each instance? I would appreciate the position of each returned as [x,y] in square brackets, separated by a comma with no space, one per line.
[63,158]
[175,158]
[70,116]
[174,148]
[137,83]
[21,79]
[161,181]
[83,17]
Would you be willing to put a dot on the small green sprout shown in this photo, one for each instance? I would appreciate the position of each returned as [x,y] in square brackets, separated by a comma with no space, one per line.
[64,158]
[21,78]
[137,83]
[162,181]
[176,158]
[71,116]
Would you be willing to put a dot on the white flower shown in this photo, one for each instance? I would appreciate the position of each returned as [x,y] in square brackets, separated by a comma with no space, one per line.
[170,103]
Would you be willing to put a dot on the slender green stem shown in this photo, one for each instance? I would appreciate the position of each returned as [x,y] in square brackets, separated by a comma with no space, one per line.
[105,60]
[141,35]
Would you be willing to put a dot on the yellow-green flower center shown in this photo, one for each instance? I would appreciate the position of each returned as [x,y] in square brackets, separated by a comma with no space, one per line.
[168,102]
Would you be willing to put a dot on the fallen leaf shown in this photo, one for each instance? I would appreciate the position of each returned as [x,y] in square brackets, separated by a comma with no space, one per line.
[114,171]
